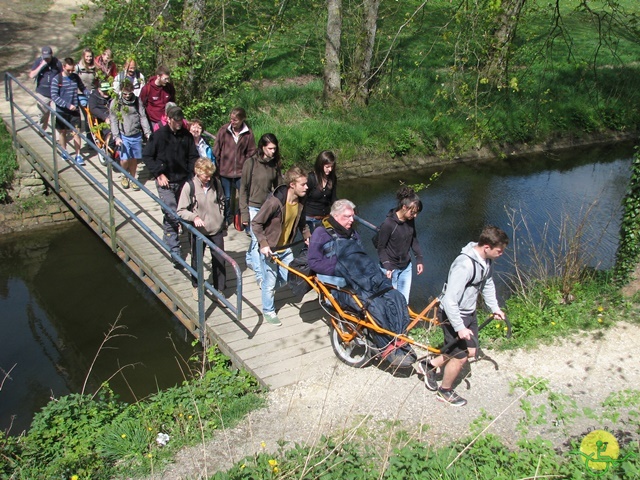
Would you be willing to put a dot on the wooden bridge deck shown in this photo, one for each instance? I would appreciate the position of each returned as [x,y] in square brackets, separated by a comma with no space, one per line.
[277,356]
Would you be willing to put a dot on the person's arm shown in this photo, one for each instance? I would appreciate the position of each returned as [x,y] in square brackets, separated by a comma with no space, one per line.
[251,145]
[260,221]
[243,193]
[490,298]
[460,274]
[144,122]
[417,250]
[315,256]
[150,157]
[115,124]
[55,92]
[144,96]
[185,202]
[218,144]
[37,66]
[384,234]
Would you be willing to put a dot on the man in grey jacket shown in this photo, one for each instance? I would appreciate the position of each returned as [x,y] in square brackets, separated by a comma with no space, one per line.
[469,275]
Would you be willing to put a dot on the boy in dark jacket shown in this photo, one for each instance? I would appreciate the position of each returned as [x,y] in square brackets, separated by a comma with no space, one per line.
[170,156]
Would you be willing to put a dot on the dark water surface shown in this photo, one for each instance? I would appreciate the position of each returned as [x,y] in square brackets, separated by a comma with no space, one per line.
[60,290]
[545,188]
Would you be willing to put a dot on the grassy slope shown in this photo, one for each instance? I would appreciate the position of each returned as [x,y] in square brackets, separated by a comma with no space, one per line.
[415,110]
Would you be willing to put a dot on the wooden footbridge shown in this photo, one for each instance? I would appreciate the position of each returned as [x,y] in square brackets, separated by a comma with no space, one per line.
[130,222]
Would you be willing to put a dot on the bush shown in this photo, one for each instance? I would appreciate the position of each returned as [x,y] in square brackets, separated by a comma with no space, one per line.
[8,163]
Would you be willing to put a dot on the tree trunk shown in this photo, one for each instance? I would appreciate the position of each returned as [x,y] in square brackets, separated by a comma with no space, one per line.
[503,35]
[365,50]
[332,87]
[193,23]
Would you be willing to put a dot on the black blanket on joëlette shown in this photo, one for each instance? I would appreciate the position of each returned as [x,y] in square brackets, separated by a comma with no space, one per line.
[387,305]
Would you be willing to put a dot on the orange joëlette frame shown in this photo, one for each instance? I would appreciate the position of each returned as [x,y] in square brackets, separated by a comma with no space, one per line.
[366,321]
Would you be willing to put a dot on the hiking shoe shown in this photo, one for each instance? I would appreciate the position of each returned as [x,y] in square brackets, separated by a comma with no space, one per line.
[65,155]
[272,319]
[428,371]
[80,161]
[102,159]
[450,397]
[124,182]
[134,186]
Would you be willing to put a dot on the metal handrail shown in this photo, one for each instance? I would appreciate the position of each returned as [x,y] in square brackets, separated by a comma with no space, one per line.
[201,240]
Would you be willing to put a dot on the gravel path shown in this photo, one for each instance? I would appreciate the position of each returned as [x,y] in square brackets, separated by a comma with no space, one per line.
[342,400]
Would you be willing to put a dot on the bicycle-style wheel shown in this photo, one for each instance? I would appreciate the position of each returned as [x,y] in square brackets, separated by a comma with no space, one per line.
[355,353]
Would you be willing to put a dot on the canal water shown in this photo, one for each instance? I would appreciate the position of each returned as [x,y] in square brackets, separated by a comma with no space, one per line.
[61,289]
[543,189]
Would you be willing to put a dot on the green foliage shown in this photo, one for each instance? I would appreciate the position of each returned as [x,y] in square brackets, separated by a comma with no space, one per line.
[545,314]
[100,437]
[8,163]
[63,435]
[432,96]
[628,253]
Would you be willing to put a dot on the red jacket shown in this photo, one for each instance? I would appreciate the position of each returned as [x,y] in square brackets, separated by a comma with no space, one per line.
[231,155]
[155,98]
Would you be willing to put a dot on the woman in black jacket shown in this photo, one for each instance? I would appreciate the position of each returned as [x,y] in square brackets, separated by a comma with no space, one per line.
[321,193]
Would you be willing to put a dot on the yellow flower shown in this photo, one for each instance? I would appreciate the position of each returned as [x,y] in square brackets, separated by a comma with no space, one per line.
[190,417]
[497,325]
[600,320]
[553,323]
[124,435]
[263,445]
[242,467]
[276,469]
[600,308]
[74,477]
[273,463]
[506,328]
[181,415]
[149,455]
[149,428]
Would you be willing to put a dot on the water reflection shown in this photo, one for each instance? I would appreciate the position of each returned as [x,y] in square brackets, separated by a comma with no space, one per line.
[60,290]
[545,188]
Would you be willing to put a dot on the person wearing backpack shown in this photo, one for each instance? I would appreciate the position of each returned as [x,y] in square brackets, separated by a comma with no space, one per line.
[44,70]
[202,203]
[397,238]
[470,274]
[261,174]
[132,74]
[128,125]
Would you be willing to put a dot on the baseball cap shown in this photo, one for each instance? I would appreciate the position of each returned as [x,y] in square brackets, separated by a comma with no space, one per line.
[47,52]
[175,113]
[105,86]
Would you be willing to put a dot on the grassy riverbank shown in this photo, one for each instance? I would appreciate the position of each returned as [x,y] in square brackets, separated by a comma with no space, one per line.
[429,98]
[8,163]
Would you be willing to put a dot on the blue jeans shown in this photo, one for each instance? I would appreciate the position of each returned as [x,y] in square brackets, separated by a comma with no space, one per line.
[253,254]
[226,186]
[401,280]
[170,196]
[273,276]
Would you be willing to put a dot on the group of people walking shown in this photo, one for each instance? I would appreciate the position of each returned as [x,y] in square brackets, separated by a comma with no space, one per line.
[200,182]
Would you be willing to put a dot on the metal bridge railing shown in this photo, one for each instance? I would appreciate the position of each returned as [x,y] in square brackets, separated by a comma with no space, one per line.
[113,202]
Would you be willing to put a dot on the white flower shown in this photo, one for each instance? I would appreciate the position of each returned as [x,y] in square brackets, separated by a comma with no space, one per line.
[162,439]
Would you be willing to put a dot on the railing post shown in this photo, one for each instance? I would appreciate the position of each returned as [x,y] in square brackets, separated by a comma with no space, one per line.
[14,133]
[200,271]
[54,145]
[112,208]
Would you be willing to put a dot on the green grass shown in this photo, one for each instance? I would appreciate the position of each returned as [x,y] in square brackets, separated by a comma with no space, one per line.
[8,163]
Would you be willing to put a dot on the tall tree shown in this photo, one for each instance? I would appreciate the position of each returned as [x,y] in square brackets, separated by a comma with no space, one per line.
[332,71]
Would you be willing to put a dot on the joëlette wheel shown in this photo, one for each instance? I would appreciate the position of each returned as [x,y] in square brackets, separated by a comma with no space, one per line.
[355,353]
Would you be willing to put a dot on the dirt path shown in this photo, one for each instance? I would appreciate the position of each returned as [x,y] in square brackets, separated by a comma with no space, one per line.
[587,368]
[341,400]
